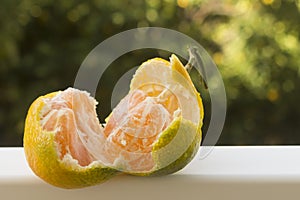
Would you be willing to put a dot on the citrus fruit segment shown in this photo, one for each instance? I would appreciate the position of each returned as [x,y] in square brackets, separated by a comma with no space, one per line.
[156,128]
[58,128]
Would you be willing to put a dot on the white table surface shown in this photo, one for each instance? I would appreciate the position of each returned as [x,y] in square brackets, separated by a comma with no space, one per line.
[252,172]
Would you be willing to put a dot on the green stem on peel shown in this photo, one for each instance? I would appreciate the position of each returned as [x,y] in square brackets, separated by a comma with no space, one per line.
[195,61]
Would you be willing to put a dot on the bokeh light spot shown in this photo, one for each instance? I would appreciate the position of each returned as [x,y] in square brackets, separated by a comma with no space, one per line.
[152,15]
[273,94]
[268,2]
[118,18]
[183,3]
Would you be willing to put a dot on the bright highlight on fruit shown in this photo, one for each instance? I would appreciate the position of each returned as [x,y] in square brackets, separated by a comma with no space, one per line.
[154,130]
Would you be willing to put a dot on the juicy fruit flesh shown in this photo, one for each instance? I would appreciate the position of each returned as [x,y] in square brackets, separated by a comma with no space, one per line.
[135,125]
[72,116]
[127,139]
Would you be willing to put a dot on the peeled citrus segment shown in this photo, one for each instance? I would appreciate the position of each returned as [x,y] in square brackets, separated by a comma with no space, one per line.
[61,128]
[133,126]
[157,126]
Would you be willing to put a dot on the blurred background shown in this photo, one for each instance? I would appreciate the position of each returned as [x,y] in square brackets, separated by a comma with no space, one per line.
[255,44]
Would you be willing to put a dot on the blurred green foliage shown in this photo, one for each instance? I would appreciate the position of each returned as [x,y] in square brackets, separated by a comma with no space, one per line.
[256,45]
